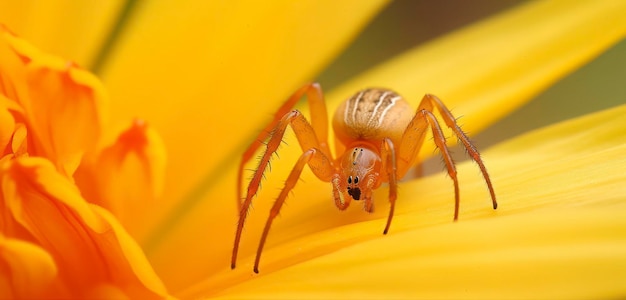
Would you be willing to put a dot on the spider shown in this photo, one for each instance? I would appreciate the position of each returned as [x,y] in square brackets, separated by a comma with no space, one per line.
[378,139]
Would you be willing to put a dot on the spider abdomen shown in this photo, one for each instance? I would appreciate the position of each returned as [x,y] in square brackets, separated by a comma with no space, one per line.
[371,115]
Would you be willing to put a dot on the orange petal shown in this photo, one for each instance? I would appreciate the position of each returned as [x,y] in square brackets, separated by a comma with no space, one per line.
[7,127]
[19,144]
[126,177]
[13,133]
[12,70]
[26,270]
[62,104]
[90,247]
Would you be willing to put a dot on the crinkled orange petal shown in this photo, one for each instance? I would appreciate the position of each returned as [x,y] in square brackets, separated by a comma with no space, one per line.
[91,249]
[62,104]
[12,87]
[12,71]
[208,74]
[75,29]
[557,233]
[26,270]
[19,144]
[126,177]
[7,127]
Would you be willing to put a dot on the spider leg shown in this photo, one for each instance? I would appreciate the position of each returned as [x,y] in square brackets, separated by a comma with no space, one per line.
[311,156]
[412,140]
[440,142]
[430,100]
[319,121]
[388,154]
[306,135]
[342,201]
[414,135]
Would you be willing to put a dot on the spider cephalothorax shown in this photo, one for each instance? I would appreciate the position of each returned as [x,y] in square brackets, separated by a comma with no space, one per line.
[378,138]
[360,173]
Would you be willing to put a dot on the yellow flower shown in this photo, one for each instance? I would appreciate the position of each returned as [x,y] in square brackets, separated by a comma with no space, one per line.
[208,76]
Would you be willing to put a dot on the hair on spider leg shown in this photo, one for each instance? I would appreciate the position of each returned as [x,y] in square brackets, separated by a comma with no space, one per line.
[259,158]
[467,151]
[276,153]
[271,133]
[249,170]
[442,163]
[252,171]
[260,161]
[268,166]
[436,162]
[291,194]
[264,136]
[253,174]
[457,118]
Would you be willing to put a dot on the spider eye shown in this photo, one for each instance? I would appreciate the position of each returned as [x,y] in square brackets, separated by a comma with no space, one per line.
[356,179]
[350,180]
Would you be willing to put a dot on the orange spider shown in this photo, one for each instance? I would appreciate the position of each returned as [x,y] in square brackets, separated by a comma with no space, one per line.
[378,138]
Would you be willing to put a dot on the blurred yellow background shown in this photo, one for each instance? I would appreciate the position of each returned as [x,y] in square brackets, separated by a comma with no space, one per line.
[405,24]
[400,26]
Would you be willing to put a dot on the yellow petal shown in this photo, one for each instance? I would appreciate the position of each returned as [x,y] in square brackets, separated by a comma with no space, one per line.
[73,29]
[126,177]
[211,213]
[201,71]
[26,270]
[88,245]
[486,70]
[542,258]
[558,232]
